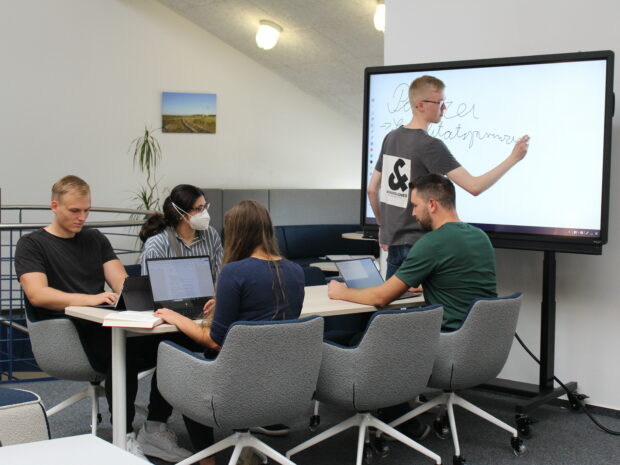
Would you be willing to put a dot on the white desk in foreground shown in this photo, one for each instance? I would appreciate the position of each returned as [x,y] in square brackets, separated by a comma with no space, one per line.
[72,450]
[316,302]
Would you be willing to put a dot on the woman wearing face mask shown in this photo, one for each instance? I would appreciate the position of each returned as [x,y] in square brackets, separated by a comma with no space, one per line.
[182,230]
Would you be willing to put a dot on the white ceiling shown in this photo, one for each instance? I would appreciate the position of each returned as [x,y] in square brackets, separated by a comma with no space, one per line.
[323,50]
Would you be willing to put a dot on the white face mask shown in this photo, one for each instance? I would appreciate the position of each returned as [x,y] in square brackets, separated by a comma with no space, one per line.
[198,222]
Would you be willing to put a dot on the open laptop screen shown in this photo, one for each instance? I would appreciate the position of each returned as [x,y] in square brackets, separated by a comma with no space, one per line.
[359,274]
[180,278]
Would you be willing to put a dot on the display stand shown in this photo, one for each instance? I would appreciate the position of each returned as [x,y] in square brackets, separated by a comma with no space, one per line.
[544,392]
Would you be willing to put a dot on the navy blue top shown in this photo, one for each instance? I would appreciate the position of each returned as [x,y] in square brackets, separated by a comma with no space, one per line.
[249,290]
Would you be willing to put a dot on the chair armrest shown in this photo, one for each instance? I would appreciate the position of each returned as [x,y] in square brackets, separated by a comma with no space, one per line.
[337,375]
[176,363]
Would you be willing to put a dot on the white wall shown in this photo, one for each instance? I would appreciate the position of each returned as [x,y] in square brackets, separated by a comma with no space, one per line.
[81,78]
[588,308]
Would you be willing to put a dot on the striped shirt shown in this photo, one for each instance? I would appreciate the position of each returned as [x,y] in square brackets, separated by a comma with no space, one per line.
[207,242]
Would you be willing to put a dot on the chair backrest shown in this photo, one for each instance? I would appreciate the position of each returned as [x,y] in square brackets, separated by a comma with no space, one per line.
[265,373]
[391,364]
[478,350]
[57,348]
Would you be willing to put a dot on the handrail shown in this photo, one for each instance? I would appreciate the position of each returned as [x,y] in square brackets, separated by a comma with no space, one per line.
[93,224]
[92,209]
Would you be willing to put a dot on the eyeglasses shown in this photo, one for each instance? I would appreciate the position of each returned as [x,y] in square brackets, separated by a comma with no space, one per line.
[440,103]
[200,208]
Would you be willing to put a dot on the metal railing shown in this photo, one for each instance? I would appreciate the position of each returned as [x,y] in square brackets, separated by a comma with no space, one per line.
[15,351]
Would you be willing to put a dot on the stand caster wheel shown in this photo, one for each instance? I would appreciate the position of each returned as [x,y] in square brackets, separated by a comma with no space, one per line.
[574,398]
[381,447]
[441,428]
[368,454]
[517,446]
[458,460]
[523,426]
[315,421]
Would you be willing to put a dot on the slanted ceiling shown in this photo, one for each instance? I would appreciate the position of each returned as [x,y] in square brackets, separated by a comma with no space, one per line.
[323,50]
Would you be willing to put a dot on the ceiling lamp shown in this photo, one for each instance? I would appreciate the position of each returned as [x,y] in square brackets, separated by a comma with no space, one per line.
[379,18]
[268,34]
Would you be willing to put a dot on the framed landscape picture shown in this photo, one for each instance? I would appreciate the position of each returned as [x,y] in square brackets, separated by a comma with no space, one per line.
[183,112]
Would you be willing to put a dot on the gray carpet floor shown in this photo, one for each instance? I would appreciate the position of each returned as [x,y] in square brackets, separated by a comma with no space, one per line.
[560,436]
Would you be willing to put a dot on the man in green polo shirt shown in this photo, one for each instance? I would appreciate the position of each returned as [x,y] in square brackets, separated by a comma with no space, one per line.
[454,262]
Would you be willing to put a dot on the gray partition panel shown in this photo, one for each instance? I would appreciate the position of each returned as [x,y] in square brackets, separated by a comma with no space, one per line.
[233,196]
[214,197]
[314,206]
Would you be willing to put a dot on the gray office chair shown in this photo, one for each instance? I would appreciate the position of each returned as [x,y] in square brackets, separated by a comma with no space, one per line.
[391,365]
[469,356]
[59,352]
[265,374]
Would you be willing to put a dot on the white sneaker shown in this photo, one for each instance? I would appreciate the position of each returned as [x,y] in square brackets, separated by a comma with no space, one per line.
[161,443]
[132,446]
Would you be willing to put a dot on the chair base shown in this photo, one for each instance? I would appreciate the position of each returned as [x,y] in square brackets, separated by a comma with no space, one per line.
[93,392]
[363,421]
[450,399]
[239,440]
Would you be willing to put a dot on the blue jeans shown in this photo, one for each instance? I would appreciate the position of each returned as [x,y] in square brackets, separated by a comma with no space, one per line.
[396,256]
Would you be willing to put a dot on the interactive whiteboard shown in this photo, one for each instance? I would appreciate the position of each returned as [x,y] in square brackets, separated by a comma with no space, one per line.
[557,197]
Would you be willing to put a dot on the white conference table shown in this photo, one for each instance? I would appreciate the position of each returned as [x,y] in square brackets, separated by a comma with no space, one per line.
[72,450]
[316,302]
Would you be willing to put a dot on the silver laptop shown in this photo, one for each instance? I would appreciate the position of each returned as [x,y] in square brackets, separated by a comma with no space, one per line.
[362,273]
[182,284]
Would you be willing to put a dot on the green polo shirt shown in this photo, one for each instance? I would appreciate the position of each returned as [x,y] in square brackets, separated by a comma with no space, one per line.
[456,264]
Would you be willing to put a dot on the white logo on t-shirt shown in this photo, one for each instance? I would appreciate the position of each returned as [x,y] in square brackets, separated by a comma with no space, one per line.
[395,181]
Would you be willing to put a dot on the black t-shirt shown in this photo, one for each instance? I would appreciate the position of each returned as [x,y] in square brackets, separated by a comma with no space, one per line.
[72,265]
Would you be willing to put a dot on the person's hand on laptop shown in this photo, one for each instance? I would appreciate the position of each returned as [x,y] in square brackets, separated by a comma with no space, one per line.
[104,298]
[335,289]
[208,308]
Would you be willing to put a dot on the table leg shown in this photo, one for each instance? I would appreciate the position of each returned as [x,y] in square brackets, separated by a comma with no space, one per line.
[119,398]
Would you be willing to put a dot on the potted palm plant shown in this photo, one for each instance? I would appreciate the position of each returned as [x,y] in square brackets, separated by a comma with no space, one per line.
[146,155]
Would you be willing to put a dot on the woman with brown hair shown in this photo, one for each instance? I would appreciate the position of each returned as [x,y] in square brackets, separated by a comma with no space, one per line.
[255,284]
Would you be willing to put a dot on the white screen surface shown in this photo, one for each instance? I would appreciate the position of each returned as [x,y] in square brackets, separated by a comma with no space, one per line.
[561,106]
[180,278]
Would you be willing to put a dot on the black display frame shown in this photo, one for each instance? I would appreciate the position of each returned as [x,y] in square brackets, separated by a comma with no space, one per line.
[512,240]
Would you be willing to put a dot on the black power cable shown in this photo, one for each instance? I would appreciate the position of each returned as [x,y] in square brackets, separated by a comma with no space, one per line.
[575,399]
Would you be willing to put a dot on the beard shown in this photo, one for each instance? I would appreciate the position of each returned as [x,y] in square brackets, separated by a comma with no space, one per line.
[425,223]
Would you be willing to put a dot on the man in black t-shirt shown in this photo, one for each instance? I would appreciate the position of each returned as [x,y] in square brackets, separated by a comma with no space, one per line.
[66,264]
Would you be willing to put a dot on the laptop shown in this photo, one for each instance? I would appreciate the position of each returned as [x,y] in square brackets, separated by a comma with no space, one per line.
[182,284]
[362,273]
[135,295]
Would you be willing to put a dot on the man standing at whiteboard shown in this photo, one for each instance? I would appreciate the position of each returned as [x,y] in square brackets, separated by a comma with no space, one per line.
[408,152]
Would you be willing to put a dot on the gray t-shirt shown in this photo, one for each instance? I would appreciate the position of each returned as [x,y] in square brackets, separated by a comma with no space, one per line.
[405,155]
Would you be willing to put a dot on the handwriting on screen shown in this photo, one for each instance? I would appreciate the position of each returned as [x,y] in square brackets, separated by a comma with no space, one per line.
[461,120]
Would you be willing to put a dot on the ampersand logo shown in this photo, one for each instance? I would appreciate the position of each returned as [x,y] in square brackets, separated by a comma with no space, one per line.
[398,181]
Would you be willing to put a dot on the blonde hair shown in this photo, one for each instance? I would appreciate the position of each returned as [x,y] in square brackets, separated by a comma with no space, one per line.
[67,184]
[421,86]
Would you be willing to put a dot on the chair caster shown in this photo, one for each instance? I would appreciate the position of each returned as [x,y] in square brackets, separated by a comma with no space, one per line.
[517,446]
[315,421]
[441,428]
[458,460]
[381,447]
[523,426]
[369,454]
